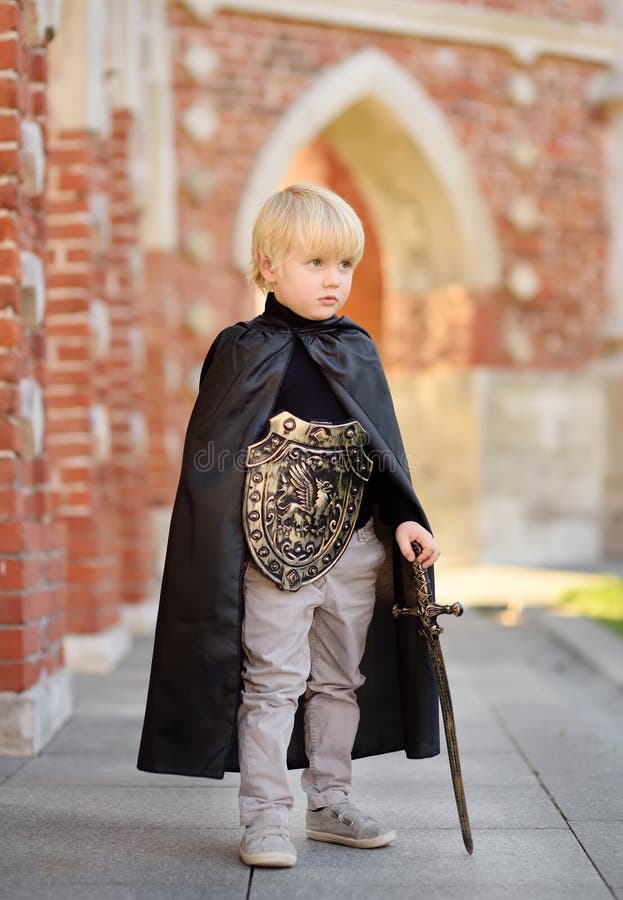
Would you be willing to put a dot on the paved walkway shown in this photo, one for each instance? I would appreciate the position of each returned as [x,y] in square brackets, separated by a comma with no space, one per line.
[541,735]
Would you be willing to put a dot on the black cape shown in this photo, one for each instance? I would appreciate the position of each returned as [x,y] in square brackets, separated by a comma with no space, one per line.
[190,724]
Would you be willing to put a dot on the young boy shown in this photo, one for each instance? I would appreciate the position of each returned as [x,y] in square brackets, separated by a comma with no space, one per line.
[293,508]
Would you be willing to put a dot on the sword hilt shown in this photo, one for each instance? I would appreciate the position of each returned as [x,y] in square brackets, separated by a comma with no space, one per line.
[425,610]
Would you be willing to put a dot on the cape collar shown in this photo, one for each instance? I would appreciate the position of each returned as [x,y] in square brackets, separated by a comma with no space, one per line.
[276,314]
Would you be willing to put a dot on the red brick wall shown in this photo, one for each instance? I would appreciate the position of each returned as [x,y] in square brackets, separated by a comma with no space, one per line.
[264,64]
[32,577]
[78,266]
[127,390]
[166,364]
[104,503]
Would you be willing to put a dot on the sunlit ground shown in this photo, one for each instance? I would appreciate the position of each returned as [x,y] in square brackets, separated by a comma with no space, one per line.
[603,602]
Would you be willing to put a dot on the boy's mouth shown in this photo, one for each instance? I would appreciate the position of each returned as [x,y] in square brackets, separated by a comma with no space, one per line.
[329,299]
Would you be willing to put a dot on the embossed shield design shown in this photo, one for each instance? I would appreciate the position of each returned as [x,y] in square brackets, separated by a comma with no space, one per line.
[303,493]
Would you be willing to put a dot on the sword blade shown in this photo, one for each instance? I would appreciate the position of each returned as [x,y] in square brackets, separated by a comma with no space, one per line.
[443,689]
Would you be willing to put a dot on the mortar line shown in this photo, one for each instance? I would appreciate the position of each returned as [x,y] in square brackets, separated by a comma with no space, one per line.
[248,894]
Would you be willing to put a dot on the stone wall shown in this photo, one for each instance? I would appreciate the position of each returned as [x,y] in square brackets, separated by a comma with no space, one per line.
[514,467]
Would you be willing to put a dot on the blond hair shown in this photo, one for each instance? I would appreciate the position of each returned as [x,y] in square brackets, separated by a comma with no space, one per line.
[304,218]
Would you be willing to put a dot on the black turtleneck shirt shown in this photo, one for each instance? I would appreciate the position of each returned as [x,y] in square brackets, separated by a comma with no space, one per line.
[306,393]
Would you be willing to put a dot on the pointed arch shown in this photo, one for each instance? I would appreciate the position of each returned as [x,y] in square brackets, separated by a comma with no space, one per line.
[372,74]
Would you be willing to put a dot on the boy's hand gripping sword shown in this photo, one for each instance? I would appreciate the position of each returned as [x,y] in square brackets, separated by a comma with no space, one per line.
[427,611]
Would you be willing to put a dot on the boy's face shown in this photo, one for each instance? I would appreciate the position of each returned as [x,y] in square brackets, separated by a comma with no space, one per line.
[310,286]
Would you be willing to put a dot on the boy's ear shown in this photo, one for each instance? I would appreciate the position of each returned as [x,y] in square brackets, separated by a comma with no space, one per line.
[265,267]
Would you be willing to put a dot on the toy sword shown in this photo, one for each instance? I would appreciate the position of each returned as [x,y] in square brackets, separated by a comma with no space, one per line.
[426,611]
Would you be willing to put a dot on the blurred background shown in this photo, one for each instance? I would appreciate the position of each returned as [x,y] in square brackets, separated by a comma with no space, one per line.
[481,143]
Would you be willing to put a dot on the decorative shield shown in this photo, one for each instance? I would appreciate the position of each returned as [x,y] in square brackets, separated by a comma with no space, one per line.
[303,493]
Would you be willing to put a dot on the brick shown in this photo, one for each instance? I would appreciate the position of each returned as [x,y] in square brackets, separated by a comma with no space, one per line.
[19,676]
[10,17]
[68,156]
[79,255]
[10,264]
[15,537]
[9,95]
[10,366]
[22,96]
[85,575]
[11,499]
[9,195]
[8,229]
[10,53]
[19,573]
[37,102]
[62,232]
[9,400]
[8,474]
[10,162]
[10,436]
[71,180]
[10,129]
[40,504]
[67,329]
[10,331]
[9,296]
[38,67]
[72,354]
[18,642]
[70,280]
[40,470]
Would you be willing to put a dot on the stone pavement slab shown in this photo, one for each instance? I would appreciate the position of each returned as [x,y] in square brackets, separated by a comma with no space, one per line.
[541,735]
[86,890]
[604,843]
[131,856]
[427,860]
[87,734]
[49,806]
[10,764]
[103,769]
[373,891]
[593,642]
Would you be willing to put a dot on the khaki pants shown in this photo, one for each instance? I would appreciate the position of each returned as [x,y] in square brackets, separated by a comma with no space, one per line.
[309,641]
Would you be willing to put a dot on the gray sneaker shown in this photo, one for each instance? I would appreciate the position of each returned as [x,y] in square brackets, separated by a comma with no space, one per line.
[343,823]
[267,845]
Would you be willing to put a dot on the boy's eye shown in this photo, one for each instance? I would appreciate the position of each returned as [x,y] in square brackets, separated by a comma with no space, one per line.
[346,263]
[315,261]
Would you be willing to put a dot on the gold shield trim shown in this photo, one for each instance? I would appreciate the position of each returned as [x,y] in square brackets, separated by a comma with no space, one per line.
[303,492]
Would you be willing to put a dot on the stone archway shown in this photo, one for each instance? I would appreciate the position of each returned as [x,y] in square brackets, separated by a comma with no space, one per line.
[425,186]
